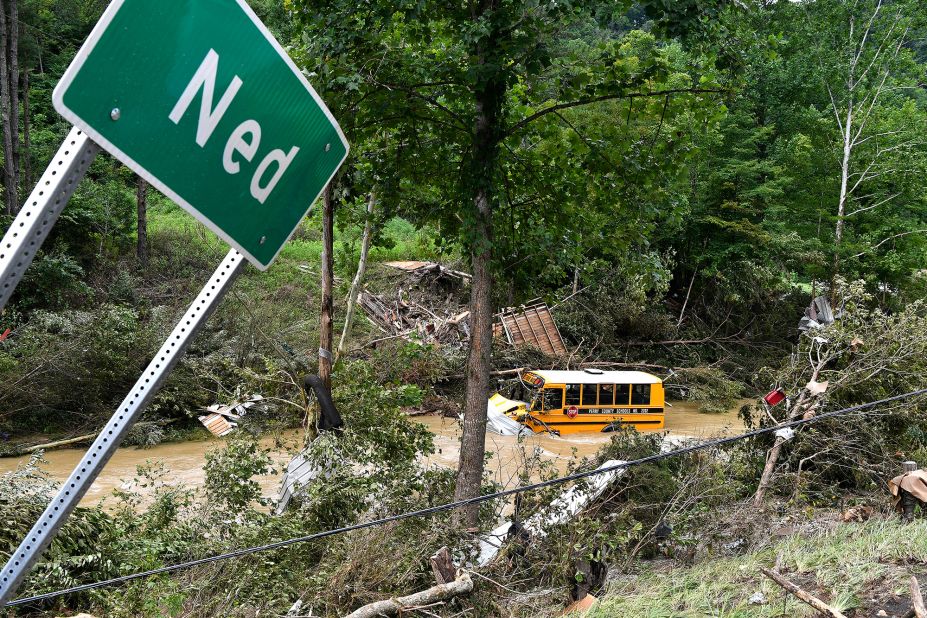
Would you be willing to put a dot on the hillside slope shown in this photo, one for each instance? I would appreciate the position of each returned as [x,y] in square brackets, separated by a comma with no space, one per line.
[858,568]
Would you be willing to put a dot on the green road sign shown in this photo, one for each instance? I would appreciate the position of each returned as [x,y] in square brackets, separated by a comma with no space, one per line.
[198,98]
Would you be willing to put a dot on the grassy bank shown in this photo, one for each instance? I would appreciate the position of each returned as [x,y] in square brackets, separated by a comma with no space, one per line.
[859,569]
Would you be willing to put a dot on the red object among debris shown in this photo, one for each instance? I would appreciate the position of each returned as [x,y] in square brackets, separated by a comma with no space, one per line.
[774,397]
[5,334]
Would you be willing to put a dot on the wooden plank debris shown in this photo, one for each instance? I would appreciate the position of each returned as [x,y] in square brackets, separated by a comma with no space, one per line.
[218,425]
[220,420]
[532,325]
[408,319]
[420,270]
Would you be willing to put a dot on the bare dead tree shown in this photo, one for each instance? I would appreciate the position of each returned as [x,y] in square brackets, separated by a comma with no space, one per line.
[871,59]
[359,275]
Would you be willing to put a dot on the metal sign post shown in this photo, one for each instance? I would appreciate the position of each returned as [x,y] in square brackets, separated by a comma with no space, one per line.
[37,216]
[200,100]
[106,443]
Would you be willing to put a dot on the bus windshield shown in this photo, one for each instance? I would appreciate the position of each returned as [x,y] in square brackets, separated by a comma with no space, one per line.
[536,399]
[546,399]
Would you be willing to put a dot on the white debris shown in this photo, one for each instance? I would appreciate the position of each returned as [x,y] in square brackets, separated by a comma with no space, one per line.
[561,510]
[220,418]
[816,388]
[299,472]
[498,419]
[500,423]
[786,433]
[758,598]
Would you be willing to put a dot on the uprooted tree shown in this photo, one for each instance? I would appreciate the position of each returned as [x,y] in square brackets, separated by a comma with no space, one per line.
[865,354]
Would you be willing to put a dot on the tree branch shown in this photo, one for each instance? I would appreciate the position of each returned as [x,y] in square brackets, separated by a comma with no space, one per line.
[605,97]
[412,92]
[876,205]
[399,605]
[883,241]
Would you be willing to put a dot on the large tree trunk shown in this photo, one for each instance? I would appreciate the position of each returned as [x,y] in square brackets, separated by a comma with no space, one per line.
[326,323]
[485,155]
[359,276]
[141,201]
[13,59]
[9,185]
[842,202]
[473,440]
[27,137]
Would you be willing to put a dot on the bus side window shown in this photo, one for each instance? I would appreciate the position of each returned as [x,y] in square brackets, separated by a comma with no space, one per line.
[622,394]
[572,395]
[590,394]
[640,396]
[553,399]
[607,395]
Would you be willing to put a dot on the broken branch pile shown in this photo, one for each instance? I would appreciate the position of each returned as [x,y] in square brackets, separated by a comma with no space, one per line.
[406,318]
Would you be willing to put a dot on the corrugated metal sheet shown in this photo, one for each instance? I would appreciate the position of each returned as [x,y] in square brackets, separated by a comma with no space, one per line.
[533,325]
[299,472]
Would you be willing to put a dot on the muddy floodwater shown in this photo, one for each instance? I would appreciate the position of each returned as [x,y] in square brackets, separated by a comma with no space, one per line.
[511,454]
[184,461]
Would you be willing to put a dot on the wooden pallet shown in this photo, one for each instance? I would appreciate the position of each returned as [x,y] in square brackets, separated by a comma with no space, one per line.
[217,424]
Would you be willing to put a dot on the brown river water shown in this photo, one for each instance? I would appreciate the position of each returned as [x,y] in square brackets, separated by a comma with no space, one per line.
[184,461]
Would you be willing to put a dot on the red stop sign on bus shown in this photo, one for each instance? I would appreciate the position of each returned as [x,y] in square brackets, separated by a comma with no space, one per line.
[572,411]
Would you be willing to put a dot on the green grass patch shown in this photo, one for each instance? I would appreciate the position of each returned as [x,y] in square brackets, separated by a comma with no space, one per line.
[847,566]
[401,240]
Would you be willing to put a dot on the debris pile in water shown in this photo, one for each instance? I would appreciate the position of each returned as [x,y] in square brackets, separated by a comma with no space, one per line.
[221,418]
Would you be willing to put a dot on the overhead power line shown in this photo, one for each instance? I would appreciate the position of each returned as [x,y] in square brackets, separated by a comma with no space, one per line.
[460,503]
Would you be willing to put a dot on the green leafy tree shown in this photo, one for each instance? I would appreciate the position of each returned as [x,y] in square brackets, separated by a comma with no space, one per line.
[470,79]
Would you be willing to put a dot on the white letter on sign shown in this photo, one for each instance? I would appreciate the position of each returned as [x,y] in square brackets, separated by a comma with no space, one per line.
[205,78]
[274,156]
[237,143]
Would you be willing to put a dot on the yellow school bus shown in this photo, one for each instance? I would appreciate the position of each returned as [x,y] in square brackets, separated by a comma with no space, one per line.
[588,400]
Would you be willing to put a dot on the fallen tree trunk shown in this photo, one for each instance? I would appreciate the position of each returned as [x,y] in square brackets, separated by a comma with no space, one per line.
[918,601]
[802,595]
[56,444]
[435,594]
